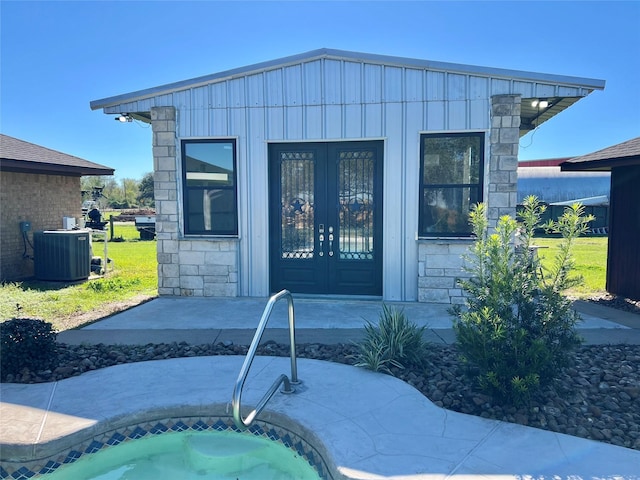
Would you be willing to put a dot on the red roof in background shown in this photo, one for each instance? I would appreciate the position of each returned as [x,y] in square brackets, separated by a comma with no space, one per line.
[549,162]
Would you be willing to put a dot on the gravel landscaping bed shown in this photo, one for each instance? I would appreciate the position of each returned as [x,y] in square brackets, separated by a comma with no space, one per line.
[598,397]
[619,303]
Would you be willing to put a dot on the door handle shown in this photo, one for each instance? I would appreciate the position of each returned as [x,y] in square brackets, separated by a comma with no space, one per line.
[321,239]
[331,241]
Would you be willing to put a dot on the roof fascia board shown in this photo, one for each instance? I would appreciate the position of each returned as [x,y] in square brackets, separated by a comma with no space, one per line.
[10,165]
[602,164]
[588,83]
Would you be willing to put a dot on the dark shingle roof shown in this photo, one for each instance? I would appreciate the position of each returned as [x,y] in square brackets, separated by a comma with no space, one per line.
[620,155]
[18,155]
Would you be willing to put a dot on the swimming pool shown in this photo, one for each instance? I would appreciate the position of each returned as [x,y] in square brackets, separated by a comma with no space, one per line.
[192,455]
[209,445]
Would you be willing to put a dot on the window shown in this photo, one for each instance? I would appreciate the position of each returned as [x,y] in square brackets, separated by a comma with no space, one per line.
[451,173]
[209,179]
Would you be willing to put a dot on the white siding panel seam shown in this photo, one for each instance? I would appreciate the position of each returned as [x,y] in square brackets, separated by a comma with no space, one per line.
[304,93]
[403,209]
[447,99]
[359,82]
[362,86]
[343,100]
[230,115]
[323,103]
[468,102]
[307,97]
[363,109]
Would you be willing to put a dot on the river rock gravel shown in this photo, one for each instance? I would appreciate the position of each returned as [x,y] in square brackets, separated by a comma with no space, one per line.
[598,397]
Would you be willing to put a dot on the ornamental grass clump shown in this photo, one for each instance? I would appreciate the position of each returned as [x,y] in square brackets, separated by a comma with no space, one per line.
[516,330]
[393,342]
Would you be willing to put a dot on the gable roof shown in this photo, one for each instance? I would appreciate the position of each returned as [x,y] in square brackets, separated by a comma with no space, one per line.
[620,155]
[20,156]
[560,91]
[347,55]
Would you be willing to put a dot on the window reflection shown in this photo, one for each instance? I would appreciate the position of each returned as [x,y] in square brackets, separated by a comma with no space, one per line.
[210,187]
[451,172]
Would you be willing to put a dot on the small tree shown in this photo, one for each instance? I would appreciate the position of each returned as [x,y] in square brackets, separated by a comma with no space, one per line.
[517,329]
[146,195]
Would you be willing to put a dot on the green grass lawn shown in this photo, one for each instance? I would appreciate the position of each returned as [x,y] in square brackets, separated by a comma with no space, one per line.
[132,274]
[590,255]
[132,277]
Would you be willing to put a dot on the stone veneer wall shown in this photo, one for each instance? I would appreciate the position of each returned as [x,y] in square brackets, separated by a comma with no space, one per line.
[439,265]
[502,196]
[440,261]
[200,267]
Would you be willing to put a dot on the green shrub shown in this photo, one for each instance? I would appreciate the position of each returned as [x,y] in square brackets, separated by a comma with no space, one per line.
[394,341]
[516,330]
[27,343]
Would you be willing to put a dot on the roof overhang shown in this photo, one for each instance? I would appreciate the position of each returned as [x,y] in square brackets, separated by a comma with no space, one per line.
[532,114]
[19,166]
[531,117]
[599,165]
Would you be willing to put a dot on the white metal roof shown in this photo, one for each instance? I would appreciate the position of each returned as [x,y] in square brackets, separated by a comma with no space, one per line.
[585,83]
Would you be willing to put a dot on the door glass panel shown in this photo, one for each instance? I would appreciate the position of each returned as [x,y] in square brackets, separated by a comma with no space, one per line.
[297,204]
[355,194]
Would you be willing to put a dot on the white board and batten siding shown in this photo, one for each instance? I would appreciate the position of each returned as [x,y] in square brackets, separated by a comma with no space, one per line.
[327,99]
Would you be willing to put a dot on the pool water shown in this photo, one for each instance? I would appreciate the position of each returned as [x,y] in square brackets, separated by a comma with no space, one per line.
[191,455]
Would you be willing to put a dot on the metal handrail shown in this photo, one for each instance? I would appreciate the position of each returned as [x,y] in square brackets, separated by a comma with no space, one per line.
[244,371]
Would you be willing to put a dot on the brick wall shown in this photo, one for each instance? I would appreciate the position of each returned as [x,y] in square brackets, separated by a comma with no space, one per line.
[440,262]
[199,267]
[37,198]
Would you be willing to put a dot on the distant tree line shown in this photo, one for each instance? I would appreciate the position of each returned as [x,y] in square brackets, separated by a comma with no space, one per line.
[125,193]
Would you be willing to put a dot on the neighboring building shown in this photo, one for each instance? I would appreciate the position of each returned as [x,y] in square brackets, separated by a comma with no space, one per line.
[623,256]
[545,180]
[334,172]
[558,189]
[39,186]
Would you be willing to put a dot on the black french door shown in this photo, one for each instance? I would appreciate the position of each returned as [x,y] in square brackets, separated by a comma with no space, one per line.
[325,204]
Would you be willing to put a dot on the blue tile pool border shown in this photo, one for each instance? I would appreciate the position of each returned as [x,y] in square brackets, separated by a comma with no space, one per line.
[291,440]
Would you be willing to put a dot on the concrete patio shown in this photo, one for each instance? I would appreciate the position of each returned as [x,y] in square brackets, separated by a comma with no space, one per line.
[364,425]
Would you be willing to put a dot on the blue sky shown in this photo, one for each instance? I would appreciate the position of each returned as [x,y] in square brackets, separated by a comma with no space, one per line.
[58,56]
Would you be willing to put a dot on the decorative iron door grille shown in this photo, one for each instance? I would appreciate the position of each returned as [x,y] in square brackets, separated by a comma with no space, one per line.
[326,217]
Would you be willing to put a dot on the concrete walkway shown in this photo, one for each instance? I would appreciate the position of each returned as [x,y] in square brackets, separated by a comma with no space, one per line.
[207,320]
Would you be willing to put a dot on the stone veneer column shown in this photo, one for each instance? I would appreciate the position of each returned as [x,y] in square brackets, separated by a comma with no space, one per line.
[187,266]
[165,168]
[440,261]
[502,194]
